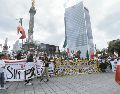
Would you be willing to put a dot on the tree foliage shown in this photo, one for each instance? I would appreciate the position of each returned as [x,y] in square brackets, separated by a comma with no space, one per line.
[114,46]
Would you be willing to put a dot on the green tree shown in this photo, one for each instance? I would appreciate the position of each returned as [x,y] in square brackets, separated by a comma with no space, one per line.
[114,46]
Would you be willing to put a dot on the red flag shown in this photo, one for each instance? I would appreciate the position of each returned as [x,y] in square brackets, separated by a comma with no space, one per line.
[22,31]
[92,55]
[68,50]
[66,53]
[76,54]
[71,57]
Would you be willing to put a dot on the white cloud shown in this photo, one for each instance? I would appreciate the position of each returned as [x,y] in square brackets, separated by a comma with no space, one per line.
[104,19]
[49,20]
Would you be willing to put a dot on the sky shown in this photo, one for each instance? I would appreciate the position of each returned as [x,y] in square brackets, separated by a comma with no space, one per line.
[49,20]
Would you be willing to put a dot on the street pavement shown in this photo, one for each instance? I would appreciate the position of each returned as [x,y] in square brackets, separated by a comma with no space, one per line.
[101,83]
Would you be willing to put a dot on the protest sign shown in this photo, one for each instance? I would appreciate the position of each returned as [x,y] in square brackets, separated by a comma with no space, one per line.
[20,70]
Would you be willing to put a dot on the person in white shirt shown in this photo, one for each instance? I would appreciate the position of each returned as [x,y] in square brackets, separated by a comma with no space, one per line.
[2,68]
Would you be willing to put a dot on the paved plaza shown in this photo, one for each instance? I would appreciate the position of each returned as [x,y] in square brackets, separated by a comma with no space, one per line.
[101,83]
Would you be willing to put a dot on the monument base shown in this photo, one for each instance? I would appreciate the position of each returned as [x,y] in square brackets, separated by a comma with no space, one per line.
[29,46]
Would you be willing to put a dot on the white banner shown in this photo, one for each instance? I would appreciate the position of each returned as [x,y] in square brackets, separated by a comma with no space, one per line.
[14,71]
[51,69]
[39,68]
[20,70]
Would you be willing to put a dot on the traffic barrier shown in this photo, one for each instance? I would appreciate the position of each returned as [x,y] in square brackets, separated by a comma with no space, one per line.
[117,76]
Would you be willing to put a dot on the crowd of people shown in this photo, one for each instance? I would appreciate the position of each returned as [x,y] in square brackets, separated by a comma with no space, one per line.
[106,63]
[103,64]
[29,58]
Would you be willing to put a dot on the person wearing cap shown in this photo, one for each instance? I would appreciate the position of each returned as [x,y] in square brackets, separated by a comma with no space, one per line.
[45,60]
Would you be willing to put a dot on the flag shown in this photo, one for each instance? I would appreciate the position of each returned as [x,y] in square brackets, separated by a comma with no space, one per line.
[67,53]
[87,55]
[92,55]
[68,50]
[21,30]
[76,54]
[65,43]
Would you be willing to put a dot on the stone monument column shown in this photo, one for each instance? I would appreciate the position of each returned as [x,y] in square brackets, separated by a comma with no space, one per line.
[31,22]
[5,47]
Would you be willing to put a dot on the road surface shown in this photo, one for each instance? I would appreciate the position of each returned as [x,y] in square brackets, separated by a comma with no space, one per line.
[101,83]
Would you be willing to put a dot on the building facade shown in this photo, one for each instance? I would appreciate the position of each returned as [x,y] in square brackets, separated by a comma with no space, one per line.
[42,47]
[78,33]
[47,48]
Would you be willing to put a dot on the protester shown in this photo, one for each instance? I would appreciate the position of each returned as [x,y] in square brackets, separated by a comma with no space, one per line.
[39,64]
[6,56]
[2,68]
[19,55]
[103,66]
[45,60]
[29,59]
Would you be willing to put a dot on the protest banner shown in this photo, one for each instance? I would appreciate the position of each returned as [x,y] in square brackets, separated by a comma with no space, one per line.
[14,70]
[20,70]
[51,69]
[75,68]
[39,68]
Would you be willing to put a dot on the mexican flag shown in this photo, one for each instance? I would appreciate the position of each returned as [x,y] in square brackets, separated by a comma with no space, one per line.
[87,55]
[65,43]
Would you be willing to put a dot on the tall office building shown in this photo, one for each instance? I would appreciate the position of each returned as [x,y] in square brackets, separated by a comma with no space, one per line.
[89,31]
[78,33]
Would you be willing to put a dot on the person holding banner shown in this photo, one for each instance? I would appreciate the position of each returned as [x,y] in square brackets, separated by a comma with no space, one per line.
[45,60]
[2,67]
[29,59]
[19,56]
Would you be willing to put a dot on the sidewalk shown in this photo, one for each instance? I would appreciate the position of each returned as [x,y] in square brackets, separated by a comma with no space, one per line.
[83,84]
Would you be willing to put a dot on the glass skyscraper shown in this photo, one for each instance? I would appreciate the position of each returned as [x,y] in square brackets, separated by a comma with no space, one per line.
[78,33]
